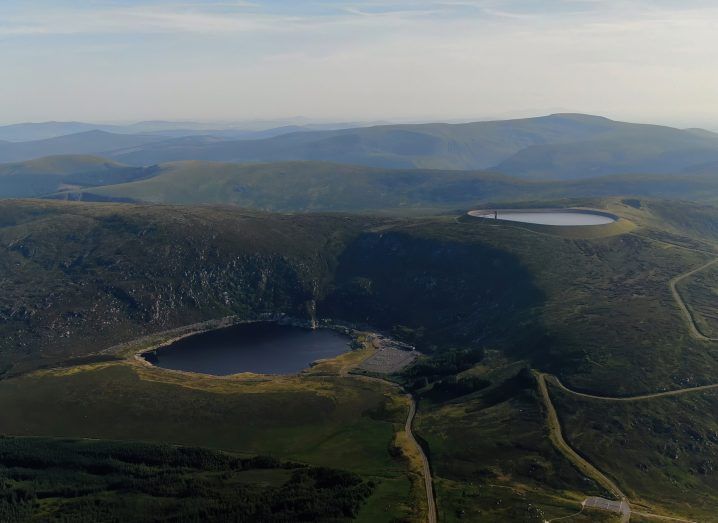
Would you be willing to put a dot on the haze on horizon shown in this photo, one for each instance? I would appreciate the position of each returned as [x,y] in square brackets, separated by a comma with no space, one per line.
[124,60]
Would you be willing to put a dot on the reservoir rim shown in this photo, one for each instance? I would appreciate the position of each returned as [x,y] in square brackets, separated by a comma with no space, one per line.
[486,214]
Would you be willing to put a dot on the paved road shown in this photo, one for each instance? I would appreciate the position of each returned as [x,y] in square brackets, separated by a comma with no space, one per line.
[556,435]
[692,327]
[428,484]
[676,392]
[428,481]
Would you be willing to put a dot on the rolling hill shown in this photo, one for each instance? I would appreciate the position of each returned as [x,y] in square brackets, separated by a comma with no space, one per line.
[320,186]
[555,147]
[436,145]
[35,178]
[561,146]
[89,142]
[627,149]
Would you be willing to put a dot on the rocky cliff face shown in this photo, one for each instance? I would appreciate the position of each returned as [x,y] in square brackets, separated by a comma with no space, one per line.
[79,278]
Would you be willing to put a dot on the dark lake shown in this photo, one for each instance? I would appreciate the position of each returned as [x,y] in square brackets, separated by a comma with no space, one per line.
[263,347]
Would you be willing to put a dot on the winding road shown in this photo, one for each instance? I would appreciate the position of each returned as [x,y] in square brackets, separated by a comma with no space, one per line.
[640,397]
[690,320]
[428,483]
[408,425]
[556,435]
[554,425]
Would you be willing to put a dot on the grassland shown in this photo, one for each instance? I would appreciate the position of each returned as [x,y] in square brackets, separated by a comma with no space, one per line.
[319,186]
[318,420]
[661,451]
[492,459]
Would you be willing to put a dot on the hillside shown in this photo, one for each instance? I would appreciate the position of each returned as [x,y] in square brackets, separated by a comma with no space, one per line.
[483,302]
[320,186]
[88,142]
[313,186]
[625,147]
[44,176]
[220,261]
[435,146]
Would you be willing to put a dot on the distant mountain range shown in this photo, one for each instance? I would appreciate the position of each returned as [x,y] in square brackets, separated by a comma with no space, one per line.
[24,132]
[555,147]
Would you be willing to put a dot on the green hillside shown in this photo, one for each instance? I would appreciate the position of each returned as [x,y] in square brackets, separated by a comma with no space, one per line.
[43,176]
[318,186]
[314,186]
[484,302]
[135,270]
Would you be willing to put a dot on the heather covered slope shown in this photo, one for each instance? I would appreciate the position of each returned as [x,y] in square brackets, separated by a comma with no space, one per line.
[80,277]
[115,272]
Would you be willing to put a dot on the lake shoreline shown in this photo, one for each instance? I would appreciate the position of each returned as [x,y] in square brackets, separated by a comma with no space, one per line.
[140,356]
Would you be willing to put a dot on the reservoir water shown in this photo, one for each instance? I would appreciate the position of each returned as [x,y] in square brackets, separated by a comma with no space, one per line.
[547,217]
[263,348]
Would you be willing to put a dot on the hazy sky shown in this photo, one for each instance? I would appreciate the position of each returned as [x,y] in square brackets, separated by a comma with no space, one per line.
[335,59]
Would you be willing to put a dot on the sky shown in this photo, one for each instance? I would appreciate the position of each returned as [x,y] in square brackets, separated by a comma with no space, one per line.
[395,60]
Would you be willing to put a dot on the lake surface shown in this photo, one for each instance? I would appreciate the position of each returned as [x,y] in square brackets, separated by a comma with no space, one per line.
[548,218]
[263,348]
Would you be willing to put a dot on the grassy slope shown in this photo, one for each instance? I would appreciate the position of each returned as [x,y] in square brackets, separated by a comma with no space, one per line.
[661,451]
[474,283]
[492,460]
[323,421]
[44,176]
[317,186]
[314,186]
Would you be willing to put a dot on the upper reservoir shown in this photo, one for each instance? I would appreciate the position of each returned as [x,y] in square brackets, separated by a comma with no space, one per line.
[262,348]
[548,217]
